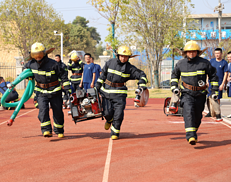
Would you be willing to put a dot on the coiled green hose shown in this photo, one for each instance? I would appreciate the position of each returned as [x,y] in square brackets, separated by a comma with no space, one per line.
[26,95]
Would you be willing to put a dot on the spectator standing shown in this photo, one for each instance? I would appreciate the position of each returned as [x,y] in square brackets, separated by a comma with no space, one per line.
[221,66]
[88,77]
[98,70]
[229,77]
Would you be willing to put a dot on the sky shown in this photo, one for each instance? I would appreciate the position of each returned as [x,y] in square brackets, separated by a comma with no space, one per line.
[69,9]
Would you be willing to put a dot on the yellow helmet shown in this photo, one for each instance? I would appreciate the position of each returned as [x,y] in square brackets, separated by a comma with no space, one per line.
[74,56]
[192,46]
[37,51]
[124,50]
[37,47]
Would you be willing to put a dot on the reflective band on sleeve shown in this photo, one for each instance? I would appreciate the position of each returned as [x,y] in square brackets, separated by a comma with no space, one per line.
[43,72]
[70,91]
[181,86]
[190,129]
[118,73]
[80,62]
[75,79]
[47,91]
[60,80]
[174,80]
[214,83]
[142,85]
[36,105]
[66,83]
[76,69]
[114,91]
[173,87]
[199,72]
[46,123]
[115,130]
[100,81]
[69,64]
[145,79]
[58,126]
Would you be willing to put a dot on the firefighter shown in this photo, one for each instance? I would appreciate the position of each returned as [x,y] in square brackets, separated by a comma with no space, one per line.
[193,71]
[48,89]
[65,94]
[77,70]
[115,73]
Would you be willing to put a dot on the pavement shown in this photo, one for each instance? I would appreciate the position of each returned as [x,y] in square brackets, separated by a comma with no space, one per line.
[152,147]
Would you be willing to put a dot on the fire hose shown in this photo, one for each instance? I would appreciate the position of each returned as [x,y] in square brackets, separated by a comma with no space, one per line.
[26,95]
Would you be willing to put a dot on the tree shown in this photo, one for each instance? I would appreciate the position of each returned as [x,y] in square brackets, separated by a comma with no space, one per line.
[153,25]
[24,22]
[81,21]
[109,9]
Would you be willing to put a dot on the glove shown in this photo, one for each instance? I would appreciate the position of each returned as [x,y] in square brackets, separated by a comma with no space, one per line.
[97,86]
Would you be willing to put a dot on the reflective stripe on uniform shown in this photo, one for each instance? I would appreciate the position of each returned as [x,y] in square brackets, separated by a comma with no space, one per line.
[36,105]
[190,129]
[199,72]
[80,62]
[142,85]
[181,86]
[47,91]
[66,69]
[75,79]
[66,83]
[114,91]
[216,92]
[115,130]
[69,64]
[118,73]
[46,123]
[214,83]
[145,79]
[174,80]
[76,69]
[60,80]
[43,72]
[58,126]
[100,81]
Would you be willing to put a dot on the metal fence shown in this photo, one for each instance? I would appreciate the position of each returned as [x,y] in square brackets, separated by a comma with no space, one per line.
[8,71]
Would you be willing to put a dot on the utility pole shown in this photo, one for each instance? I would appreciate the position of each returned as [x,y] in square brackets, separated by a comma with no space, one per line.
[219,8]
[184,24]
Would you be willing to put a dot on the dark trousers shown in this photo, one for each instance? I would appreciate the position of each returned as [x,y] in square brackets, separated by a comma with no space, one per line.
[192,113]
[12,96]
[113,111]
[44,118]
[75,86]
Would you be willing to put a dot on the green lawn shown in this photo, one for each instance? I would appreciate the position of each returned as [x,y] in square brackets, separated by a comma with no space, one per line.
[153,93]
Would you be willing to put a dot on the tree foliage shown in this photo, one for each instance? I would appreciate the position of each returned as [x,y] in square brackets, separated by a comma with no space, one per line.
[24,22]
[153,25]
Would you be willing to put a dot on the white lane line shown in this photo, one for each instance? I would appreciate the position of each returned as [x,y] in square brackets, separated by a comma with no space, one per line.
[107,163]
[19,116]
[225,124]
[203,122]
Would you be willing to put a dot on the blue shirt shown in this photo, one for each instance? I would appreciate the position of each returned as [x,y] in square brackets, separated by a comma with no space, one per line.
[88,71]
[97,72]
[3,87]
[221,67]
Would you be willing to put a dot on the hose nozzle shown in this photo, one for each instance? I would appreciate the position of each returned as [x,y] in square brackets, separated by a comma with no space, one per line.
[176,91]
[201,83]
[214,97]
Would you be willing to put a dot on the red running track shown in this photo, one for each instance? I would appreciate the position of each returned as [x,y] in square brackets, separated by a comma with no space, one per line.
[152,147]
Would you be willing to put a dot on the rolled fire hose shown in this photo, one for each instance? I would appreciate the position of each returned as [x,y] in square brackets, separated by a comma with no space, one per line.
[26,95]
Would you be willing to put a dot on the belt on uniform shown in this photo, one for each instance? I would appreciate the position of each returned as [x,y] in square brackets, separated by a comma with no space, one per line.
[113,84]
[47,85]
[77,74]
[194,88]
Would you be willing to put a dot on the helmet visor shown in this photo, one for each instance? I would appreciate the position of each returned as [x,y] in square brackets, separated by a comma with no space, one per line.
[37,55]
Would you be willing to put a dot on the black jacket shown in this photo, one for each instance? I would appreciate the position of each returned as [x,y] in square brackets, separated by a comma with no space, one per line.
[117,72]
[47,72]
[191,71]
[75,67]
